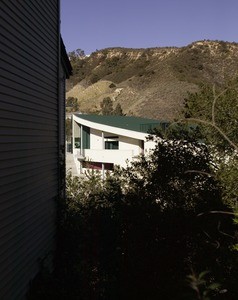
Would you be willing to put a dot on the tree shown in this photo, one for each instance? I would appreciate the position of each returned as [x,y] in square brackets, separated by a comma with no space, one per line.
[147,212]
[138,233]
[106,106]
[75,55]
[72,104]
[215,109]
[118,110]
[68,129]
[169,189]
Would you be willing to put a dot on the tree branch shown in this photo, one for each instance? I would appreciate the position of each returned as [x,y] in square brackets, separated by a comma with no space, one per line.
[214,126]
[218,212]
[200,172]
[214,102]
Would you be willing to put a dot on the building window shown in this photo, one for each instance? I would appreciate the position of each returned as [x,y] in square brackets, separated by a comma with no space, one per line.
[86,137]
[111,142]
[97,165]
[77,142]
[112,145]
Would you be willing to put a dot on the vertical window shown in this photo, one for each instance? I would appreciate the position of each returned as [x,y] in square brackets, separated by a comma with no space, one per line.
[111,145]
[111,142]
[86,137]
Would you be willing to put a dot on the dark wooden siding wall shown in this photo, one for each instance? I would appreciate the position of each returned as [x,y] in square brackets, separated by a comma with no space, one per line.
[29,139]
[62,167]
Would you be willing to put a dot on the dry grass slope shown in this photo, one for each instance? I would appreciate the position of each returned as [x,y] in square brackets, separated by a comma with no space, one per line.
[151,82]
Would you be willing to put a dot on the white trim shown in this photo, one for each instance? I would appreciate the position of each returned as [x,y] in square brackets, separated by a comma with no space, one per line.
[112,129]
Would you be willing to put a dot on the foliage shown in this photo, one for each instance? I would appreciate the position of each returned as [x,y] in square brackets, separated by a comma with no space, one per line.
[178,131]
[72,104]
[107,108]
[228,174]
[203,289]
[68,129]
[216,111]
[118,110]
[76,54]
[138,233]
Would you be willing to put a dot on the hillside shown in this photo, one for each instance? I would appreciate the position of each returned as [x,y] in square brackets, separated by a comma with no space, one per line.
[150,82]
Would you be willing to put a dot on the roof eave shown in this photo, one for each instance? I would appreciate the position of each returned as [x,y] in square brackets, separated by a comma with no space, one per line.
[65,60]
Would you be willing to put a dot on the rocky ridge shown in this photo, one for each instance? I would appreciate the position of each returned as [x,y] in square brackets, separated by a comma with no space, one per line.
[150,82]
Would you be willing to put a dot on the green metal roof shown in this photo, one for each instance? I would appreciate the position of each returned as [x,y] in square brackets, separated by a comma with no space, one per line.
[125,122]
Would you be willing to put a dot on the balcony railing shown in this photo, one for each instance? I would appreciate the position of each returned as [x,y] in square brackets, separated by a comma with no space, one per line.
[117,157]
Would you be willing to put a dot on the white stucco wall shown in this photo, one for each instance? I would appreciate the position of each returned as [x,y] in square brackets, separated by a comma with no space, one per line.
[125,143]
[95,139]
[130,144]
[149,145]
[117,157]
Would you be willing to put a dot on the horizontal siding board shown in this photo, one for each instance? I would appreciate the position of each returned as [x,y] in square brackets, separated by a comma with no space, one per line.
[27,55]
[24,124]
[19,45]
[42,38]
[26,120]
[45,9]
[29,139]
[26,135]
[27,161]
[51,4]
[28,65]
[28,100]
[39,6]
[25,146]
[25,208]
[38,248]
[36,11]
[30,192]
[24,169]
[12,231]
[41,236]
[62,107]
[45,30]
[10,199]
[38,45]
[25,87]
[28,189]
[34,50]
[34,18]
[25,258]
[22,109]
[35,155]
[28,132]
[17,74]
[25,185]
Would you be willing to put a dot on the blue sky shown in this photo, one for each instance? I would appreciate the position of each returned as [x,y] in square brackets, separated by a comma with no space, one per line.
[99,24]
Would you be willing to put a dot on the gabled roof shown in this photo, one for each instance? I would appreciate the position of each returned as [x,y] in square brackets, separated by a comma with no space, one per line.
[130,123]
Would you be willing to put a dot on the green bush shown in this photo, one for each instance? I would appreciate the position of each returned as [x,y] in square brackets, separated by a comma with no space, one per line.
[140,232]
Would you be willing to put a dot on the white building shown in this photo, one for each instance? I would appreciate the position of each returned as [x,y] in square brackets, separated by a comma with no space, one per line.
[100,142]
